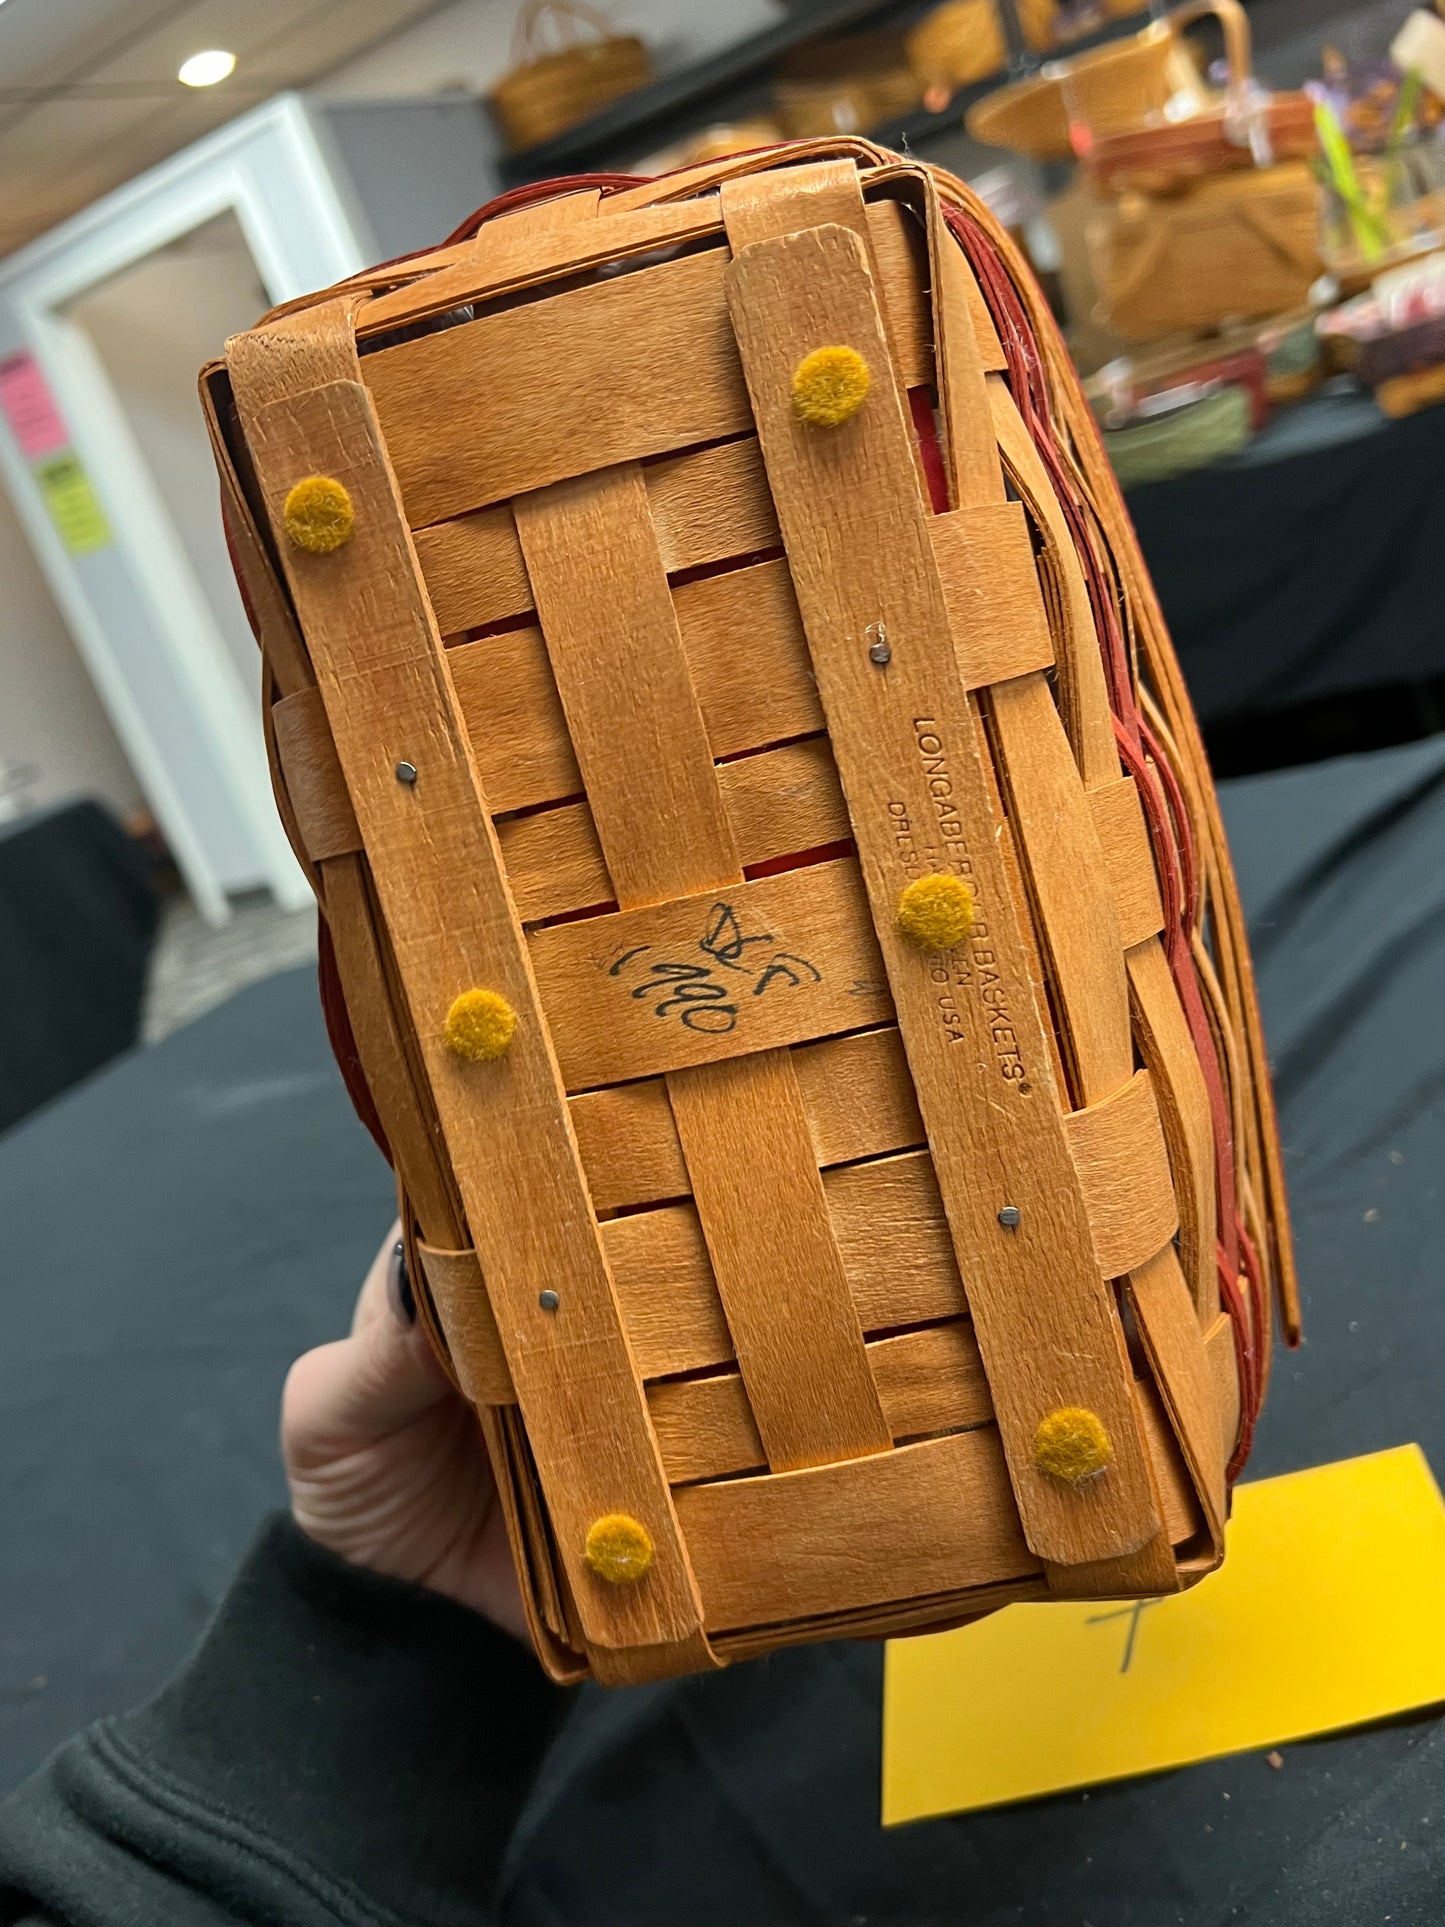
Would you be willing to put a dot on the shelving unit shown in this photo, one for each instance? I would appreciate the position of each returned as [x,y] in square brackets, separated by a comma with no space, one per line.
[733,81]
[677,102]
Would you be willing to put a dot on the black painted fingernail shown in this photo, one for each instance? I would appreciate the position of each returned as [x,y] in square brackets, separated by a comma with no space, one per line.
[399,1294]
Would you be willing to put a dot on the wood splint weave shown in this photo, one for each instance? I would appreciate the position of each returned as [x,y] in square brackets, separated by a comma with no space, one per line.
[776,918]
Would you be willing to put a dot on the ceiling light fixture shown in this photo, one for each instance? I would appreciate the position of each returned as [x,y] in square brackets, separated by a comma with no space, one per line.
[205,69]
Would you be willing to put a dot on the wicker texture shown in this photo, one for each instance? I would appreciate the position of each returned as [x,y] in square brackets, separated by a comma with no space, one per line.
[1235,245]
[963,41]
[552,87]
[788,1261]
[1139,82]
[1185,231]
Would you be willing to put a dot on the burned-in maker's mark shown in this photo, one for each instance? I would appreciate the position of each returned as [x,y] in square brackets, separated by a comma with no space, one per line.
[939,843]
[695,994]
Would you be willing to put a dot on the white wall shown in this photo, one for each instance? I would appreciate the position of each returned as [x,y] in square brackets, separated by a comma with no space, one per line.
[49,712]
[50,715]
[154,327]
[469,44]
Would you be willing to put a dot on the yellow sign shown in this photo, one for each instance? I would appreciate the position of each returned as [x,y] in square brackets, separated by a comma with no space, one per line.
[71,504]
[1327,1611]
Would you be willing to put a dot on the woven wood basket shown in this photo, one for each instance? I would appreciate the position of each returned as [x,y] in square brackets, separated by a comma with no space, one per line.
[1126,85]
[1241,129]
[551,89]
[1161,160]
[963,40]
[1231,246]
[1191,437]
[776,913]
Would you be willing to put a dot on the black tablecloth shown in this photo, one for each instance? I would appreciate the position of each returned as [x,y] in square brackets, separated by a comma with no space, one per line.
[1308,566]
[181,1227]
[77,915]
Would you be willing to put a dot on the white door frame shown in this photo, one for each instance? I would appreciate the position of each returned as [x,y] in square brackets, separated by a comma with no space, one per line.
[137,610]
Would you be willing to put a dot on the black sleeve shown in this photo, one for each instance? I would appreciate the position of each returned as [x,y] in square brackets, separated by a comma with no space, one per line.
[340,1748]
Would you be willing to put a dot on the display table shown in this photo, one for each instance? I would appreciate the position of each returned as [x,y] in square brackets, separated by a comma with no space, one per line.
[77,917]
[1309,564]
[182,1227]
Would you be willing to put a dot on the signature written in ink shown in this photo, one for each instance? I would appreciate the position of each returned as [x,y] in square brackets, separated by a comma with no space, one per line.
[695,993]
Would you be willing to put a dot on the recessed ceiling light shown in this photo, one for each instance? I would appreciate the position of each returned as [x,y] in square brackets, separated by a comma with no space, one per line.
[205,69]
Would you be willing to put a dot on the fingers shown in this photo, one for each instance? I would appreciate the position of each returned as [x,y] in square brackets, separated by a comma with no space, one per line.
[387,1464]
[360,1389]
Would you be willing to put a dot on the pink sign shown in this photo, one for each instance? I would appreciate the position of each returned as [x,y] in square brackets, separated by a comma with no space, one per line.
[29,407]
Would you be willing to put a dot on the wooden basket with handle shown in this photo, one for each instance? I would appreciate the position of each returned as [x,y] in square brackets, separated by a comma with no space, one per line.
[776,913]
[1126,85]
[551,88]
[1244,127]
[1160,160]
[1233,246]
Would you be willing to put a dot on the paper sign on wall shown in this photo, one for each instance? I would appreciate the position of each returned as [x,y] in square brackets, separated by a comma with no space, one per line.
[1326,1613]
[29,407]
[71,503]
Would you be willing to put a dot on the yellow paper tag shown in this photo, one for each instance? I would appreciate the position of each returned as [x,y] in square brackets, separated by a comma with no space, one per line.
[71,503]
[1327,1612]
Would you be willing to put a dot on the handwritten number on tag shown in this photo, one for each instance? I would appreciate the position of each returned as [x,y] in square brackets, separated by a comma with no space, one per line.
[693,994]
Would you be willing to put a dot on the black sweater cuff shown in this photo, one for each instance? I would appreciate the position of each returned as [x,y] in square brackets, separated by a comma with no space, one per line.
[340,1747]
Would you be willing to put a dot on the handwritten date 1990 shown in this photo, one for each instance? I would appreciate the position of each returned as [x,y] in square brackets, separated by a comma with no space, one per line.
[696,994]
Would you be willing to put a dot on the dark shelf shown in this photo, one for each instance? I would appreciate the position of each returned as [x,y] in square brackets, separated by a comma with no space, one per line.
[678,103]
[676,100]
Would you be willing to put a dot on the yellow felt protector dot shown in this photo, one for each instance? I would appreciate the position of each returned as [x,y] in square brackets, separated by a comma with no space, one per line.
[619,1548]
[1071,1444]
[319,516]
[830,386]
[935,913]
[480,1025]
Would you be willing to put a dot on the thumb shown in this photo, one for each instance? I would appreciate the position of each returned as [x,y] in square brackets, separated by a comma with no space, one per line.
[359,1390]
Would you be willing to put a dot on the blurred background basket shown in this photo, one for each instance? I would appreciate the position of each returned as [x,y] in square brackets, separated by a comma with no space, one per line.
[1130,84]
[713,143]
[1235,245]
[1192,435]
[963,40]
[552,87]
[1156,160]
[845,85]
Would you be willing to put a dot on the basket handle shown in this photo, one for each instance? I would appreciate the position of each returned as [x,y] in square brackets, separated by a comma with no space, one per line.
[566,17]
[1231,16]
